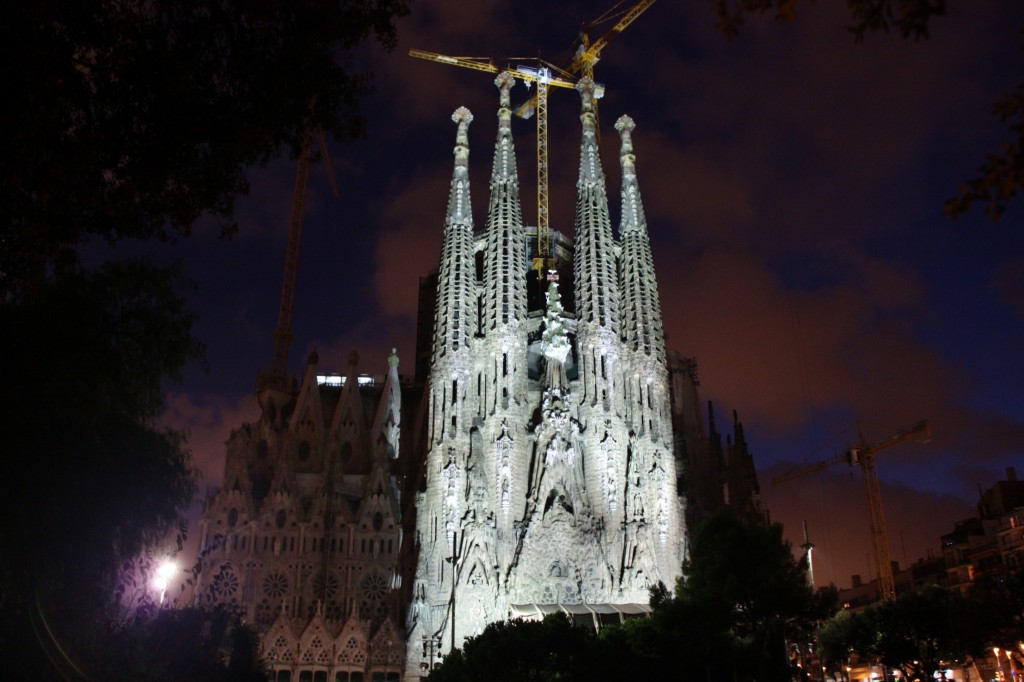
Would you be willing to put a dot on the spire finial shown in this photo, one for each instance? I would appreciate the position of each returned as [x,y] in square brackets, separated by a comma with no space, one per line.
[504,162]
[504,82]
[585,86]
[463,117]
[625,125]
[590,162]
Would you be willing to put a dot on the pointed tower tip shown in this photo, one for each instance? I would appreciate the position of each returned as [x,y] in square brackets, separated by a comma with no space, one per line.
[462,115]
[590,162]
[625,125]
[505,80]
[585,86]
[393,358]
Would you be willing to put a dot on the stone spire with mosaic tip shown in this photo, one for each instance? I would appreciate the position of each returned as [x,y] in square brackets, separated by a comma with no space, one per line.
[641,311]
[453,327]
[596,287]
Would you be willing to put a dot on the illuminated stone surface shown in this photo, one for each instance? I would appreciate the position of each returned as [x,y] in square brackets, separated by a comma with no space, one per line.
[550,469]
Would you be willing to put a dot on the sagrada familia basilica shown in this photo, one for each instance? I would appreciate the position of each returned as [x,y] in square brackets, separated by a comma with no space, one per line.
[549,457]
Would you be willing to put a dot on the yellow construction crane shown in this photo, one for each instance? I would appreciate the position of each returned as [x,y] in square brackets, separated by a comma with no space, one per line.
[283,333]
[583,63]
[864,456]
[589,53]
[544,76]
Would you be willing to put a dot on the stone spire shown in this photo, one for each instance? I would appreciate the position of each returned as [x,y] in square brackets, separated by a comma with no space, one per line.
[504,283]
[597,293]
[453,320]
[597,296]
[388,419]
[641,312]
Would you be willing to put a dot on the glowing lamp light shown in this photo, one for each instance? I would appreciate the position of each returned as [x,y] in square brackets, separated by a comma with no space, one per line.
[164,572]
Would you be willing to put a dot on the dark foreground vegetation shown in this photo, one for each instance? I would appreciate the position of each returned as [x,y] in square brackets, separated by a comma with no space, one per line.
[743,611]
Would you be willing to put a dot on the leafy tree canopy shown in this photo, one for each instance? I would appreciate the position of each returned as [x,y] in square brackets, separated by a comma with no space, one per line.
[748,592]
[89,478]
[912,633]
[1001,175]
[743,594]
[747,571]
[1000,598]
[551,649]
[132,118]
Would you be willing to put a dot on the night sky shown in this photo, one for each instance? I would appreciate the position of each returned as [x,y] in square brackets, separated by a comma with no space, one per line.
[793,183]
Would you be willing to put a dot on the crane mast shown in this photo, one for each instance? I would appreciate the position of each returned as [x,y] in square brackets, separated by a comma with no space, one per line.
[864,457]
[283,332]
[543,221]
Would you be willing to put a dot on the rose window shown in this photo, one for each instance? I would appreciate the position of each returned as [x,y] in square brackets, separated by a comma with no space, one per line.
[374,585]
[372,606]
[275,585]
[224,585]
[325,586]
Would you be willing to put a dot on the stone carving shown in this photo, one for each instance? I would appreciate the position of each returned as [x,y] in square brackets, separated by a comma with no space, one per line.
[547,479]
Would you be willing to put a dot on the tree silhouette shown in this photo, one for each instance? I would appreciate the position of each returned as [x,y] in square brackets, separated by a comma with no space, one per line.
[133,118]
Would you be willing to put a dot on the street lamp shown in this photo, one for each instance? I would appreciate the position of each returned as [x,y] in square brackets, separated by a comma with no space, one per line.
[431,646]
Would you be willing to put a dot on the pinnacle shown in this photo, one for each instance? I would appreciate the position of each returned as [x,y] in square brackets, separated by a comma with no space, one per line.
[625,124]
[585,86]
[462,114]
[504,80]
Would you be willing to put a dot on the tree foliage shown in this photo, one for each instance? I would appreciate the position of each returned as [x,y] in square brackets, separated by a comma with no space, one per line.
[741,596]
[1000,598]
[132,118]
[1001,174]
[89,479]
[128,119]
[551,649]
[749,593]
[913,633]
[168,645]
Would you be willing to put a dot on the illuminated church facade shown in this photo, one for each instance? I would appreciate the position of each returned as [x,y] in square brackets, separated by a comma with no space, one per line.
[550,465]
[549,457]
[305,537]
